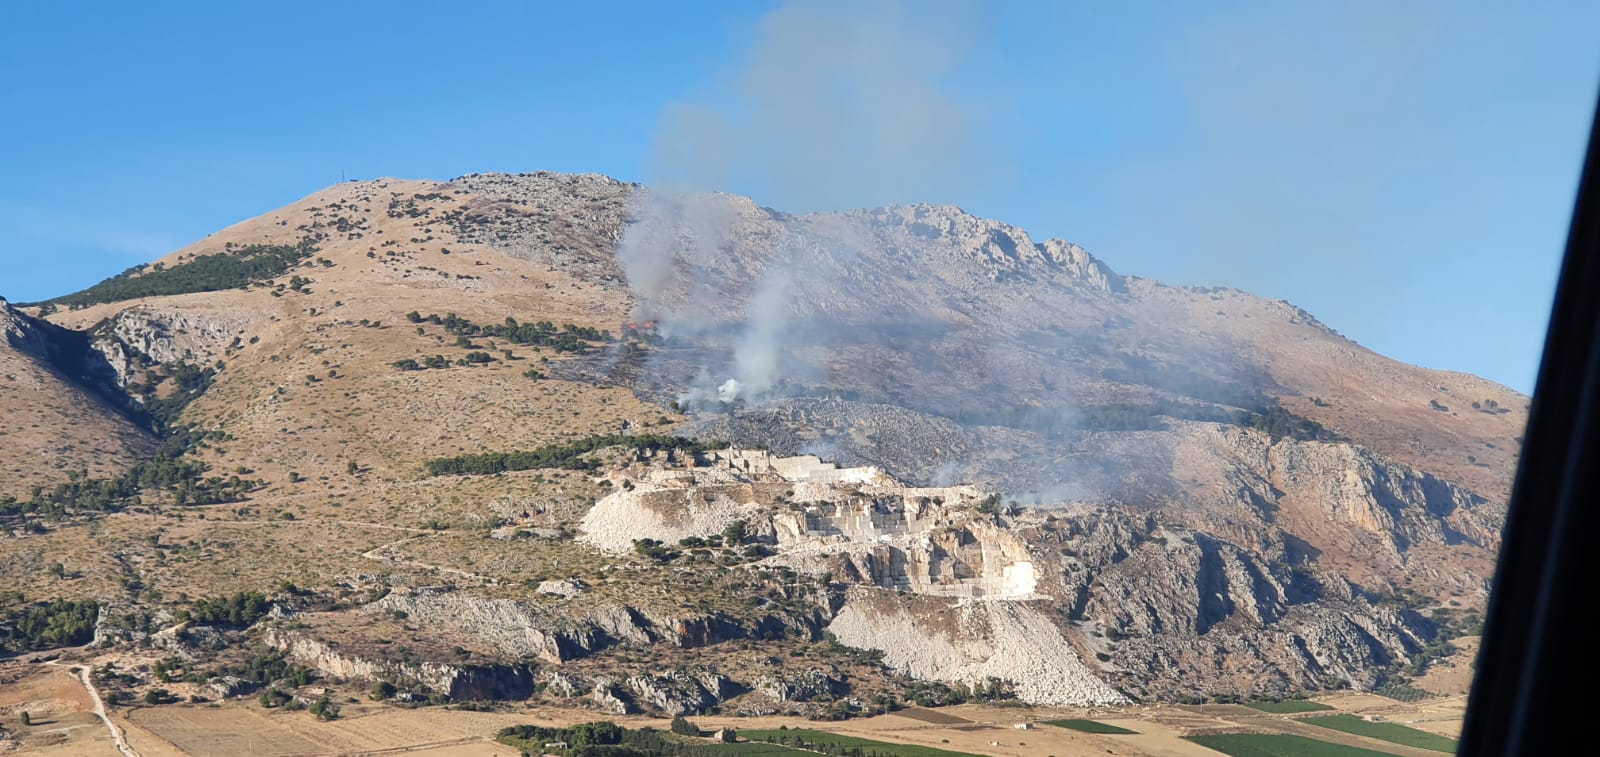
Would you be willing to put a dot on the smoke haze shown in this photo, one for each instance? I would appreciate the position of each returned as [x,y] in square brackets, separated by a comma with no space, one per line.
[836,106]
[909,335]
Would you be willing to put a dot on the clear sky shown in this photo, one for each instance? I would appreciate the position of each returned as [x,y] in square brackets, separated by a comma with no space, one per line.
[1402,170]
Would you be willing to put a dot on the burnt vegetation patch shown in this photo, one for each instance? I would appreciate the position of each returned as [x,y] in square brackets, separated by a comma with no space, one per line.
[1255,411]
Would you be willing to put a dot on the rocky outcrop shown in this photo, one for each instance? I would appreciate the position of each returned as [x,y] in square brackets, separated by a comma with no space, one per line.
[979,246]
[568,222]
[675,693]
[1170,611]
[810,685]
[566,589]
[458,681]
[516,629]
[1185,584]
[1153,599]
[608,698]
[143,336]
[227,687]
[527,630]
[1397,504]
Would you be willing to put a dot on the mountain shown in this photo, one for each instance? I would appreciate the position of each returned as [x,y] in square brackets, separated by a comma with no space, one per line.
[56,418]
[1195,492]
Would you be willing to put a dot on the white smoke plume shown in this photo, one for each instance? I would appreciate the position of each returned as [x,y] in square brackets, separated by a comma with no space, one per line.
[836,105]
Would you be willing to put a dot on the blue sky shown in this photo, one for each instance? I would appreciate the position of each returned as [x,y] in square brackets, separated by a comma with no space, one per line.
[1402,170]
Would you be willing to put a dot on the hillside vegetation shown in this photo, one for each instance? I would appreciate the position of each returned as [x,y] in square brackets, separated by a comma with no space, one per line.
[569,455]
[238,267]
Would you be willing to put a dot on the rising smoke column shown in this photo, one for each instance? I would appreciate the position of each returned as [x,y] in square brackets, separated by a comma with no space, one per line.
[834,106]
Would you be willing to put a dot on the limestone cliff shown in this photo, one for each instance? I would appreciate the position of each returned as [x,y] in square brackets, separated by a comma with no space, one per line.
[1176,600]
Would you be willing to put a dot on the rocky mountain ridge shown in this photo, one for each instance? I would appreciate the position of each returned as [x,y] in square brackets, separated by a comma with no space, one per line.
[1240,500]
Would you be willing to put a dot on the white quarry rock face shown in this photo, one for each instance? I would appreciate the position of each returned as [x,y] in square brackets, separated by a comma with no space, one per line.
[1020,579]
[799,469]
[669,515]
[966,642]
[965,615]
[927,540]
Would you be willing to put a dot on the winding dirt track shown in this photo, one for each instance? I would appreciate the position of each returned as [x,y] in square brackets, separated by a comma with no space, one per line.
[100,708]
[381,554]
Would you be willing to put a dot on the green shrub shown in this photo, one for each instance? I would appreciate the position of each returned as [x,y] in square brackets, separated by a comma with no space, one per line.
[57,623]
[237,610]
[325,709]
[654,550]
[567,338]
[568,456]
[682,727]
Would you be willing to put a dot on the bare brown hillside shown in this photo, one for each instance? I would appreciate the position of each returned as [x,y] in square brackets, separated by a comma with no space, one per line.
[1235,498]
[307,383]
[53,425]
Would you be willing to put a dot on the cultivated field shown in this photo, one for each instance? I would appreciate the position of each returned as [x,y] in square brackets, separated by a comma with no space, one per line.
[1278,745]
[1289,706]
[1398,734]
[65,724]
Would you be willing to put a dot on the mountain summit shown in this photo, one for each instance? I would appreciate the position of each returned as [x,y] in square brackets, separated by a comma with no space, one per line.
[468,423]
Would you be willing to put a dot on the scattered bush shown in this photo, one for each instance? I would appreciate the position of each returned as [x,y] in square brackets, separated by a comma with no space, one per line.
[682,727]
[238,610]
[170,471]
[383,690]
[654,549]
[325,709]
[567,338]
[568,456]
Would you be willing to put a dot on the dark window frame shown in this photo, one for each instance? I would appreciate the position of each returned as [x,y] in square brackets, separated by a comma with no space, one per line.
[1538,645]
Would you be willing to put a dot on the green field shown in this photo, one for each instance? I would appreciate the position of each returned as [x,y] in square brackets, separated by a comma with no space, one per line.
[1288,706]
[758,749]
[1390,732]
[820,738]
[1087,726]
[1278,745]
